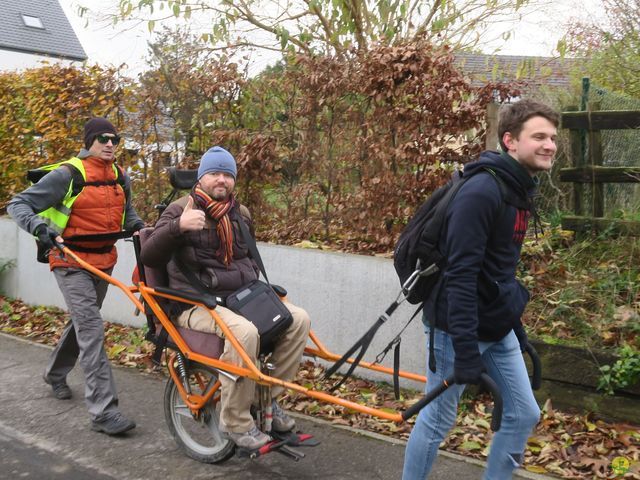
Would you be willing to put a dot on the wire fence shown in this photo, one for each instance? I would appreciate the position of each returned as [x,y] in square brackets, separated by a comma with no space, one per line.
[619,147]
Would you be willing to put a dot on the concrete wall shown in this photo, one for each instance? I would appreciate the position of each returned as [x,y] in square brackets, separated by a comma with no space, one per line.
[343,293]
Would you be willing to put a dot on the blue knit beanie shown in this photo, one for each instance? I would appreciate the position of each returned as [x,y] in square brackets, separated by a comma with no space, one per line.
[217,159]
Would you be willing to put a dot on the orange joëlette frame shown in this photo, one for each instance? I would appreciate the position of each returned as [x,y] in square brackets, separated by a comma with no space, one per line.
[249,370]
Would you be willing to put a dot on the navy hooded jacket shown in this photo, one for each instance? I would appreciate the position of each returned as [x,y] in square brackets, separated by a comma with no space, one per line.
[485,226]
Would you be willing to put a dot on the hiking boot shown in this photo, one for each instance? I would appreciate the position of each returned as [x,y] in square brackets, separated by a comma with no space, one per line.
[114,424]
[281,422]
[251,440]
[60,389]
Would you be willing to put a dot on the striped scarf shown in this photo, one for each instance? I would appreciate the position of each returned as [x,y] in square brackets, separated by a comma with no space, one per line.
[219,211]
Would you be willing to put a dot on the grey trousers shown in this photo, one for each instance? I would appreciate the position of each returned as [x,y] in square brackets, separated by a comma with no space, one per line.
[83,339]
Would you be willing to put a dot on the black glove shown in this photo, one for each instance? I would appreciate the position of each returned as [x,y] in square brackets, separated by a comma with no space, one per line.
[138,226]
[46,236]
[468,372]
[522,336]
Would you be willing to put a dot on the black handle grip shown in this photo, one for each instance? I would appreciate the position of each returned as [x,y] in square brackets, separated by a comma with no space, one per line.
[59,246]
[280,291]
[496,419]
[536,379]
[428,398]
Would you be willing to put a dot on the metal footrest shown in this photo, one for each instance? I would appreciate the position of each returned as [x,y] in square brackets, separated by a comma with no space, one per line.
[282,443]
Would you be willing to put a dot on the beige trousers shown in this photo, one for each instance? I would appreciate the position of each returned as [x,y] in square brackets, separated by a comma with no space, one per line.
[238,396]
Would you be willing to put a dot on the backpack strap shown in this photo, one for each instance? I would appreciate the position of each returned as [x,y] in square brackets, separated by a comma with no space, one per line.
[502,186]
[77,180]
[120,180]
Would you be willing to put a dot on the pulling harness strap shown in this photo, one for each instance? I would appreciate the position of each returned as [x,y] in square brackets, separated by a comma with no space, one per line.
[362,345]
[396,370]
[395,343]
[77,248]
[97,237]
[365,340]
[432,339]
[100,237]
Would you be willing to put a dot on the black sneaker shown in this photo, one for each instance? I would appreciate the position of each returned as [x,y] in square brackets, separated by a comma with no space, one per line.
[114,424]
[60,389]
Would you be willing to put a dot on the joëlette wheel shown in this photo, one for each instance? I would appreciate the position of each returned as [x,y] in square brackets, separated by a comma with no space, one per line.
[200,436]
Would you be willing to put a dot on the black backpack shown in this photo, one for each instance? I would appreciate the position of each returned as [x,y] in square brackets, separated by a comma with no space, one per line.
[418,245]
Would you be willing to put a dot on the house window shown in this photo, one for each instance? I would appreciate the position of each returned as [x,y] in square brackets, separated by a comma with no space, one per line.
[31,21]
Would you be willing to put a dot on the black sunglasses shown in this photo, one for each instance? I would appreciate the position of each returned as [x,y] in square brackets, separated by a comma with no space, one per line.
[104,139]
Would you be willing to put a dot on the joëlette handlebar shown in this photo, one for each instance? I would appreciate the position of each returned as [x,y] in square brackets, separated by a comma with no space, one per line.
[496,419]
[59,246]
[536,378]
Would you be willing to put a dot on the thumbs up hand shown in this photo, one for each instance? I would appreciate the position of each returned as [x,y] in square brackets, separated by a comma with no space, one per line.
[191,219]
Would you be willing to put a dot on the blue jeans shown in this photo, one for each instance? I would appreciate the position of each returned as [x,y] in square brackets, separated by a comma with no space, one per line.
[505,365]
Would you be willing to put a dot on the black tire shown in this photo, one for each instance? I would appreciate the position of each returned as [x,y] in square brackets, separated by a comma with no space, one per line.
[200,438]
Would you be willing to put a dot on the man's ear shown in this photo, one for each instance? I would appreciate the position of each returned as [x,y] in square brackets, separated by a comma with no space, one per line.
[509,140]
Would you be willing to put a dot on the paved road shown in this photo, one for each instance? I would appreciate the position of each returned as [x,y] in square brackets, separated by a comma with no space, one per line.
[45,438]
[19,459]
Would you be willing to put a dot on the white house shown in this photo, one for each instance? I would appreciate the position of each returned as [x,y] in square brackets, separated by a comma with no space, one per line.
[35,31]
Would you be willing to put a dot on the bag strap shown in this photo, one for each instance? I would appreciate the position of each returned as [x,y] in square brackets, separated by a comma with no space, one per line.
[253,247]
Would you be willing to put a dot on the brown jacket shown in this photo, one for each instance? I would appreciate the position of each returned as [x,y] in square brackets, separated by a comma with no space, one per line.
[196,251]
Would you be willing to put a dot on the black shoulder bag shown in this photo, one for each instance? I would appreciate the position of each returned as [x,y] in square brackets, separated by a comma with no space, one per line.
[258,302]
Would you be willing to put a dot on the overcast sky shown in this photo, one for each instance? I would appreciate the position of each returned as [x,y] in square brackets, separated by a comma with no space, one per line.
[536,35]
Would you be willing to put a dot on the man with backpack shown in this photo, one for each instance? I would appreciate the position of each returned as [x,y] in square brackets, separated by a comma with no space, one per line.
[201,238]
[81,197]
[475,308]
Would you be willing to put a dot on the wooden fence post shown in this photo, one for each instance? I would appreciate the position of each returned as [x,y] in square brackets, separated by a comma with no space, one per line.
[595,157]
[577,155]
[492,141]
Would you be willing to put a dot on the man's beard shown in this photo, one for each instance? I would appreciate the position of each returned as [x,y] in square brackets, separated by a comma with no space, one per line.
[220,194]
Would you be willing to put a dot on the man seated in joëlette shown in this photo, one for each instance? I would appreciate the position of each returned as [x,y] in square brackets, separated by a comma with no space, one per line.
[201,229]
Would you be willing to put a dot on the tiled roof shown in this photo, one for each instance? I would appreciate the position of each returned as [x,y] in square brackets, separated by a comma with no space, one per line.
[483,68]
[57,39]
